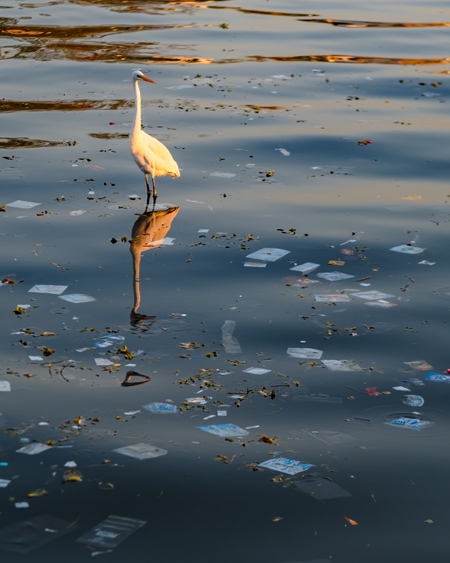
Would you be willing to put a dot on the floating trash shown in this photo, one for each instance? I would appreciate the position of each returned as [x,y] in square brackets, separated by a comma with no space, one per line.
[380,303]
[372,295]
[407,249]
[410,421]
[305,268]
[141,451]
[255,264]
[77,212]
[33,449]
[224,430]
[284,152]
[332,298]
[111,532]
[20,204]
[52,289]
[433,376]
[285,465]
[196,401]
[413,400]
[103,362]
[307,353]
[229,342]
[341,365]
[161,408]
[77,298]
[334,276]
[257,371]
[268,254]
[5,386]
[223,174]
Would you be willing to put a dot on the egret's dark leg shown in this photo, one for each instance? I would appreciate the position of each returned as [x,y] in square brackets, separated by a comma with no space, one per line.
[155,195]
[148,187]
[148,201]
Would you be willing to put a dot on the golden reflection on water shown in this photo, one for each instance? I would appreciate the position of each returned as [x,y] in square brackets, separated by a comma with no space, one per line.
[363,24]
[351,59]
[26,143]
[7,106]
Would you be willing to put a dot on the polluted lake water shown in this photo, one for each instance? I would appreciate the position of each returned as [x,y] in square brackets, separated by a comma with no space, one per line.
[253,367]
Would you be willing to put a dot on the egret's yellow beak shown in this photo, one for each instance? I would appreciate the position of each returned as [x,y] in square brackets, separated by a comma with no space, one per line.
[148,79]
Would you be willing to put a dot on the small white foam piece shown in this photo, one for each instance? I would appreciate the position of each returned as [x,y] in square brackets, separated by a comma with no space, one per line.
[70,464]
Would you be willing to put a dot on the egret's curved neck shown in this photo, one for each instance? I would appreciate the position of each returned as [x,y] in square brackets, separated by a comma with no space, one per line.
[137,104]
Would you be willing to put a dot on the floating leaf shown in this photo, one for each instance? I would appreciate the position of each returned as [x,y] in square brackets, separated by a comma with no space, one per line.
[19,310]
[37,493]
[72,476]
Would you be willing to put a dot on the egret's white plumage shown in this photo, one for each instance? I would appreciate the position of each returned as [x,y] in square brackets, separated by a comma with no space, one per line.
[150,155]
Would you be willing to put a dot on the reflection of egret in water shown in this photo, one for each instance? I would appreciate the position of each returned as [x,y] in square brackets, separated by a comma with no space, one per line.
[148,232]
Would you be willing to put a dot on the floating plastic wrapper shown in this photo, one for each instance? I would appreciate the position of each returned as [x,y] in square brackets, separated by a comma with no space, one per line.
[268,254]
[161,408]
[411,423]
[224,430]
[141,451]
[413,400]
[433,376]
[285,465]
[111,532]
[229,342]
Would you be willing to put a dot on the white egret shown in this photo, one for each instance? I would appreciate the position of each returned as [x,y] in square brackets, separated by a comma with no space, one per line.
[150,155]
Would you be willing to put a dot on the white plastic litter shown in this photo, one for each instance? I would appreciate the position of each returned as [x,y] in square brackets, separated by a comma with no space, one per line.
[268,254]
[77,298]
[20,204]
[43,288]
[305,268]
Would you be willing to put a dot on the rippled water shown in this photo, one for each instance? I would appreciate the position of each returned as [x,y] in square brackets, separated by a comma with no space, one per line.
[314,128]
